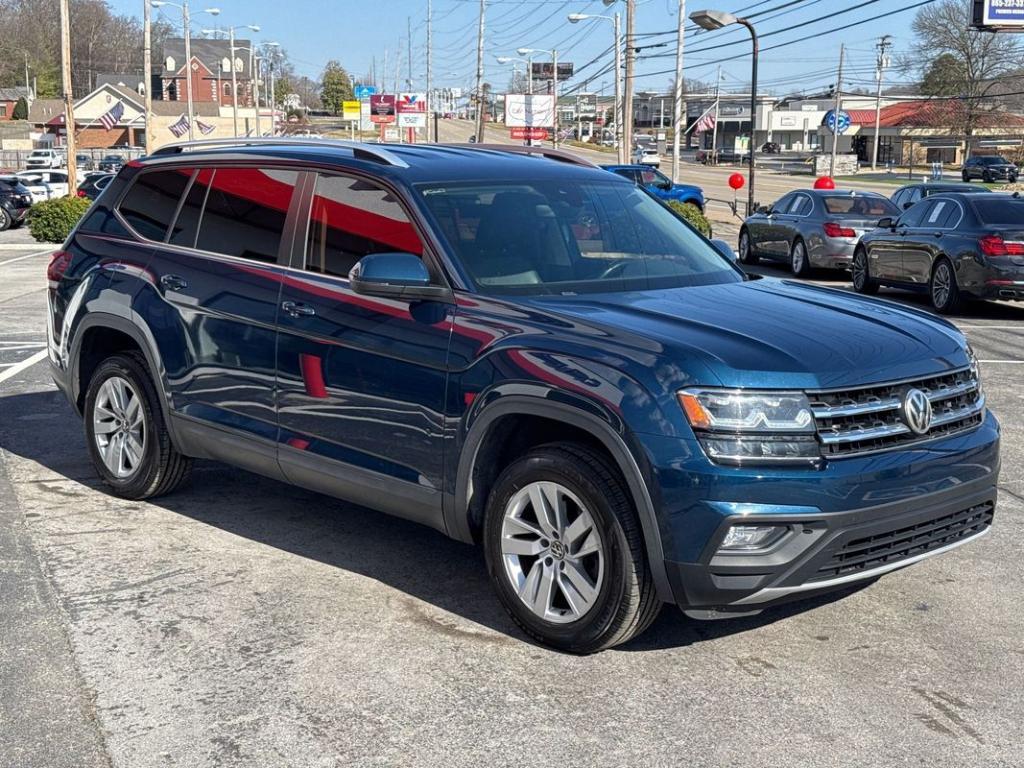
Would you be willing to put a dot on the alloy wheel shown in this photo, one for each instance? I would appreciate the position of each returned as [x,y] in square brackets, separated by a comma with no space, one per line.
[119,427]
[552,552]
[941,285]
[860,270]
[798,257]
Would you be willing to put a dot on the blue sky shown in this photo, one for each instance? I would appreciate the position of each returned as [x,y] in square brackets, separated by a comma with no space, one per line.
[358,32]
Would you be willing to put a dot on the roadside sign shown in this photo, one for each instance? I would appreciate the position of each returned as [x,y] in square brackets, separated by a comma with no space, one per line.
[365,116]
[412,110]
[586,106]
[364,91]
[842,125]
[537,134]
[529,110]
[998,14]
[544,70]
[350,110]
[382,108]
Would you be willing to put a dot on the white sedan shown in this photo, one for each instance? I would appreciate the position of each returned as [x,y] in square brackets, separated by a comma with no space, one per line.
[44,184]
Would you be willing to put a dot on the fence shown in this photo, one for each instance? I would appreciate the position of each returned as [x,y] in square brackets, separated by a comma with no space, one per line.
[14,159]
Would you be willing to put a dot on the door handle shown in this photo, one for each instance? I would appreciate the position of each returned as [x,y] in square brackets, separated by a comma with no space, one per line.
[173,282]
[296,309]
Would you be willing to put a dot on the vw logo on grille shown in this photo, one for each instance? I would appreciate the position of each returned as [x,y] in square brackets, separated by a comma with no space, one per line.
[917,411]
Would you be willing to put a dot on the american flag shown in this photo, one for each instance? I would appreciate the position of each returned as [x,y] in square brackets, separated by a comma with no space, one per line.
[179,128]
[706,123]
[113,117]
[204,128]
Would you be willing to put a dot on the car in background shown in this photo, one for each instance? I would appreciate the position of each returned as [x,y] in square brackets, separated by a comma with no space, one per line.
[44,158]
[94,183]
[647,156]
[659,185]
[111,163]
[723,155]
[84,163]
[810,228]
[989,168]
[954,246]
[906,196]
[771,148]
[15,200]
[45,184]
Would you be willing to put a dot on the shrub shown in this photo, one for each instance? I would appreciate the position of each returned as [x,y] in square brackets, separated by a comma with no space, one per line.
[692,214]
[20,111]
[51,221]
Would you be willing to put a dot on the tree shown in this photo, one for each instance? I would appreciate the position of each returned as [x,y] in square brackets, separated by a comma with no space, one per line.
[335,87]
[943,77]
[982,58]
[20,111]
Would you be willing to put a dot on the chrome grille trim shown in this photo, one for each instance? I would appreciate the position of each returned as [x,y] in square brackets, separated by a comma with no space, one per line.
[856,435]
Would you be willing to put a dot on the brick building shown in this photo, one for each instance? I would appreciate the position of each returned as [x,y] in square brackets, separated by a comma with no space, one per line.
[210,71]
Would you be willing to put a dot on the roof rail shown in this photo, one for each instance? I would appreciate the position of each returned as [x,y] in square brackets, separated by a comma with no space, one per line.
[521,149]
[359,149]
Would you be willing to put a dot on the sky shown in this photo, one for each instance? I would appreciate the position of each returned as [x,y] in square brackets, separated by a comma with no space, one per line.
[361,33]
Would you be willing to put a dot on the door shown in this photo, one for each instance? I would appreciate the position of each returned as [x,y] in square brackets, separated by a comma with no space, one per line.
[217,272]
[885,258]
[921,248]
[362,379]
[764,229]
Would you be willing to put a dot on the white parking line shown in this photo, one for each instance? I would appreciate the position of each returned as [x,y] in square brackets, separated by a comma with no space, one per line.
[23,365]
[22,258]
[1003,362]
[992,327]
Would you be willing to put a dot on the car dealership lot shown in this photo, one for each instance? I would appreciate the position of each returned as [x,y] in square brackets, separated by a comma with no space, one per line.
[241,621]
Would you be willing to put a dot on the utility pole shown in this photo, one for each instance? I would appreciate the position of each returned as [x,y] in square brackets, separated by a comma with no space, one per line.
[254,76]
[430,94]
[714,128]
[618,111]
[147,67]
[234,86]
[186,20]
[882,64]
[554,88]
[678,113]
[479,132]
[408,40]
[69,112]
[273,99]
[835,114]
[627,100]
[28,86]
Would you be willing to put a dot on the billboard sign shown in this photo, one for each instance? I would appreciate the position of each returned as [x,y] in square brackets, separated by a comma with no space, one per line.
[999,14]
[382,108]
[412,110]
[842,125]
[350,110]
[586,106]
[529,110]
[537,134]
[544,70]
[363,91]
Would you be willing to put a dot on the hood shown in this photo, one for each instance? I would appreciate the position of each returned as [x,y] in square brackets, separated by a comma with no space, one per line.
[774,333]
[686,190]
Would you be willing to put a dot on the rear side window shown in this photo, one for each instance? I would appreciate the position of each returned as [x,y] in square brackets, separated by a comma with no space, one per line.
[245,212]
[942,214]
[801,205]
[351,218]
[150,203]
[186,226]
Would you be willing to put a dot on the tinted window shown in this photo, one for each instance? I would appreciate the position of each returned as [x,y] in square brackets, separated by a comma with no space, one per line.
[351,218]
[899,197]
[782,204]
[245,212]
[859,205]
[999,210]
[801,205]
[186,226]
[942,213]
[151,201]
[915,194]
[651,176]
[913,215]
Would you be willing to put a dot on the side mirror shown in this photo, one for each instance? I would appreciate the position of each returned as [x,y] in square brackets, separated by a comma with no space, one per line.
[887,223]
[907,205]
[724,248]
[395,275]
[666,185]
[765,209]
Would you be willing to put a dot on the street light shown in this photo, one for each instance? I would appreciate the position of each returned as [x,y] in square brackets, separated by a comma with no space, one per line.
[575,18]
[554,83]
[529,68]
[234,69]
[712,20]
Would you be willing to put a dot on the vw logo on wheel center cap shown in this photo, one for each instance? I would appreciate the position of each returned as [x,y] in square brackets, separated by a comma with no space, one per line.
[558,549]
[916,411]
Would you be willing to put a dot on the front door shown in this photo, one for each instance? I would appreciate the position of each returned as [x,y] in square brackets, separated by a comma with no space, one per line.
[362,379]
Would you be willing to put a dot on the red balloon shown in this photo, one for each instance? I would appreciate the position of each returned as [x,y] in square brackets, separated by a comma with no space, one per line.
[736,181]
[824,182]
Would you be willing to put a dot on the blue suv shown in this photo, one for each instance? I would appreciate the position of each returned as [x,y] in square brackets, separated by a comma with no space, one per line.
[659,185]
[524,352]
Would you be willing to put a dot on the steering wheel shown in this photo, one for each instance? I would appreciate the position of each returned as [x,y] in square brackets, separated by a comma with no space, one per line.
[614,269]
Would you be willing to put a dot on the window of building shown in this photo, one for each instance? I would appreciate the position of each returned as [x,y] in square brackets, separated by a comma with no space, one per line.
[3,110]
[227,89]
[169,64]
[225,64]
[149,205]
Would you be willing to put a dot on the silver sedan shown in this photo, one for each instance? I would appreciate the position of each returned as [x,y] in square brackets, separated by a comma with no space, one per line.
[811,228]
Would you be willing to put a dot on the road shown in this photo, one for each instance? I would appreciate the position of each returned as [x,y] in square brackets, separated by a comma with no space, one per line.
[242,622]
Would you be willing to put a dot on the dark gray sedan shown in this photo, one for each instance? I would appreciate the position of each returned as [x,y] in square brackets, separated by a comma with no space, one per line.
[812,228]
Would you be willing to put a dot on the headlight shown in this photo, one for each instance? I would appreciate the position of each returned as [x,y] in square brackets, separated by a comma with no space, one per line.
[975,368]
[740,427]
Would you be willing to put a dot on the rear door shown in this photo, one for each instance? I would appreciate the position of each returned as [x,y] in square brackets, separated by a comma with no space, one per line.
[362,379]
[885,257]
[765,231]
[926,242]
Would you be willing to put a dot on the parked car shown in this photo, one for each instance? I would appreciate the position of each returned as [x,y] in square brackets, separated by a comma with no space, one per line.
[771,148]
[659,184]
[111,163]
[955,246]
[15,200]
[84,163]
[647,156]
[812,228]
[707,156]
[45,184]
[906,196]
[526,353]
[45,158]
[93,184]
[989,168]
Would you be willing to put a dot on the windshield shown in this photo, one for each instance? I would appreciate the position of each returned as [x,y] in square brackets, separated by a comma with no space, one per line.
[994,161]
[567,236]
[1001,211]
[859,205]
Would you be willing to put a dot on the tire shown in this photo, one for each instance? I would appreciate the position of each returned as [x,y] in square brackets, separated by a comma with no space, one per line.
[746,250]
[965,177]
[986,177]
[862,282]
[942,288]
[616,599]
[798,261]
[5,220]
[142,462]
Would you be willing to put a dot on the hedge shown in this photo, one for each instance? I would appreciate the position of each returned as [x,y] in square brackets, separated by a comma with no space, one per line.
[51,221]
[692,214]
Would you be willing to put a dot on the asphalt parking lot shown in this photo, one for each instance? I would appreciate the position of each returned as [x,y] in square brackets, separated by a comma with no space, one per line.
[244,622]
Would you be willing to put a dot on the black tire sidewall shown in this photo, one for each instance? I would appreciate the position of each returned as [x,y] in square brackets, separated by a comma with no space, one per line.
[748,257]
[539,466]
[864,286]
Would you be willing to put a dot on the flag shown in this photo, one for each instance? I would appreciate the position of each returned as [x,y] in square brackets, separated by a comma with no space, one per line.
[204,128]
[706,123]
[179,128]
[113,117]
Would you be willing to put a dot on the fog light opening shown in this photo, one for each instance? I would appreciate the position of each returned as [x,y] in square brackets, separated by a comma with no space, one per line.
[743,538]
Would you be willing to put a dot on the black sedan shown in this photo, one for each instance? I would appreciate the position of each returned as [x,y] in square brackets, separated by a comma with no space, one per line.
[953,245]
[111,163]
[93,184]
[906,196]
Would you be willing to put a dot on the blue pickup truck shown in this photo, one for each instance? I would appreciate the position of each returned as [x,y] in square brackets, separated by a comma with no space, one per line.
[659,184]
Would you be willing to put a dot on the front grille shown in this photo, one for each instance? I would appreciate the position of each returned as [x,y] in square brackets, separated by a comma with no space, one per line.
[868,419]
[870,552]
